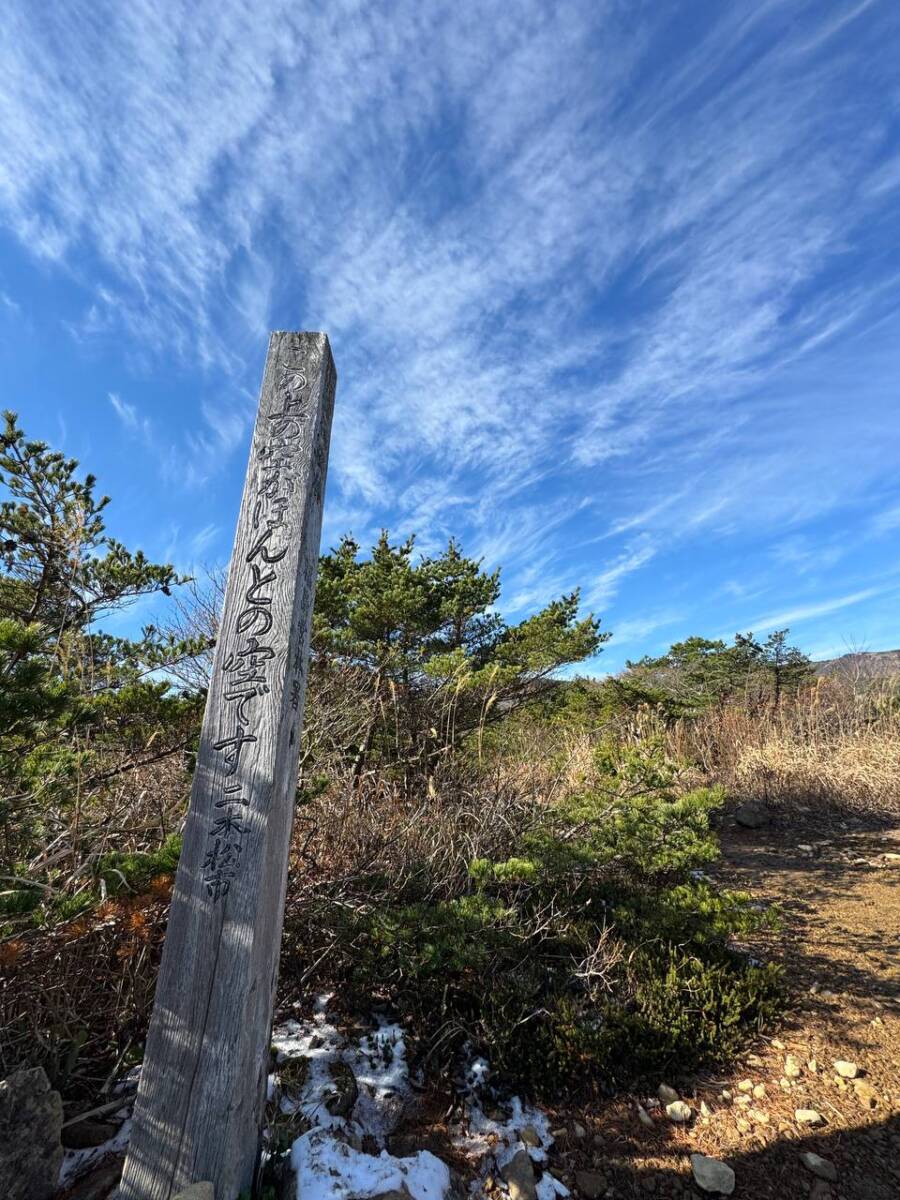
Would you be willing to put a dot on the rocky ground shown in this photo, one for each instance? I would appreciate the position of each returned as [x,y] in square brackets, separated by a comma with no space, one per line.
[813,1109]
[838,886]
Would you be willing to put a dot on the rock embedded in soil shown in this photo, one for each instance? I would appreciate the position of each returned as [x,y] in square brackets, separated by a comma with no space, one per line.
[341,1102]
[865,1093]
[819,1166]
[645,1118]
[752,814]
[667,1094]
[807,1116]
[591,1184]
[31,1153]
[846,1070]
[519,1176]
[529,1135]
[792,1066]
[712,1175]
[678,1112]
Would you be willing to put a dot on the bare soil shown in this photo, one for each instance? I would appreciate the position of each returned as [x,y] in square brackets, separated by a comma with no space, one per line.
[839,895]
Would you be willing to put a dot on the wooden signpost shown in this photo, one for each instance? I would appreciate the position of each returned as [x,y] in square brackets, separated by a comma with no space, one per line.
[199,1106]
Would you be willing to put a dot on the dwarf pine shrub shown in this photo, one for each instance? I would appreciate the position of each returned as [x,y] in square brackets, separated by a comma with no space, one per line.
[594,952]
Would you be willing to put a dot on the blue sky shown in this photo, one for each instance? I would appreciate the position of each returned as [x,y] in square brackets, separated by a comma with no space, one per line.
[613,288]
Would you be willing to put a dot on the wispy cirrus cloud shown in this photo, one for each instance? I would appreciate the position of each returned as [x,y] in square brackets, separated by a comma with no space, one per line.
[131,419]
[590,281]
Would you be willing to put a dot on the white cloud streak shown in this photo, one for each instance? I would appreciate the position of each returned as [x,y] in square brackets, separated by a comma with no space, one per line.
[531,268]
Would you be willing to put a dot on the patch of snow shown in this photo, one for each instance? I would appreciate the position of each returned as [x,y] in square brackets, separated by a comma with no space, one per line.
[76,1162]
[378,1063]
[477,1074]
[493,1141]
[328,1169]
[548,1187]
[483,1133]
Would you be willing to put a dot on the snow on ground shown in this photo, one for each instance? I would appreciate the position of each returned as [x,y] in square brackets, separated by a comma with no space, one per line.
[313,1063]
[493,1140]
[378,1063]
[328,1169]
[328,1160]
[77,1162]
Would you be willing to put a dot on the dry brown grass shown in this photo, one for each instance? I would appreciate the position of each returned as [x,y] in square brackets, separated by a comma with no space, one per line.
[837,744]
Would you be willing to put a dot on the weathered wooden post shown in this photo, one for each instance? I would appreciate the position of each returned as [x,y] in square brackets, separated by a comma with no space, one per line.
[200,1101]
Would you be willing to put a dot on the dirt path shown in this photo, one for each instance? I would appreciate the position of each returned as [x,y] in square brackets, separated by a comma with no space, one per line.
[839,892]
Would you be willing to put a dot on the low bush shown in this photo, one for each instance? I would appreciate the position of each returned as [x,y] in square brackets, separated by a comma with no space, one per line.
[587,954]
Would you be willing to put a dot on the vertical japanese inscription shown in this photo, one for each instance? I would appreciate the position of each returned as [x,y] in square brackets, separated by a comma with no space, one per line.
[249,657]
[199,1107]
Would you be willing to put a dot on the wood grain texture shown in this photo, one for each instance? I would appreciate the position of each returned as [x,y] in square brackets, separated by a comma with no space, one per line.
[199,1106]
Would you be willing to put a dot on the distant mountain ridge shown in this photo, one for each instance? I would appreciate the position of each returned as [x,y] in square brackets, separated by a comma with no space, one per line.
[870,664]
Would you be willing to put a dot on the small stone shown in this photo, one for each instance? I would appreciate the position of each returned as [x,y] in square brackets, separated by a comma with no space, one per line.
[757,1115]
[746,1085]
[578,1131]
[645,1118]
[712,1175]
[846,1070]
[743,1124]
[341,1100]
[805,847]
[726,1094]
[819,1166]
[812,1065]
[784,1084]
[807,1116]
[743,1099]
[529,1135]
[752,815]
[892,860]
[667,1094]
[865,1093]
[519,1176]
[679,1112]
[704,1109]
[591,1184]
[759,1091]
[792,1066]
[840,1084]
[197,1191]
[777,1044]
[753,1060]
